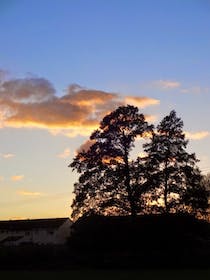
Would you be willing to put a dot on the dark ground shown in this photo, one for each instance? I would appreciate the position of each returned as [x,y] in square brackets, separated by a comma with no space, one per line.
[115,274]
[101,246]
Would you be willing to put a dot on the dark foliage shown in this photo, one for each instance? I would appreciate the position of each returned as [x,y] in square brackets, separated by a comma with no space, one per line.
[106,183]
[166,180]
[174,180]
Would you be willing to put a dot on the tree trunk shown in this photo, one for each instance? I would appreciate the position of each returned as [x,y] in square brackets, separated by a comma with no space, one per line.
[128,186]
[166,188]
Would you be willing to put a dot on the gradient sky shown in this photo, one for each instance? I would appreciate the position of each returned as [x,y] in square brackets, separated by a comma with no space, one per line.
[66,63]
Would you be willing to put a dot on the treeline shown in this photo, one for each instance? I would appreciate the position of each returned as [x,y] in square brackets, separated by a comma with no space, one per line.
[166,179]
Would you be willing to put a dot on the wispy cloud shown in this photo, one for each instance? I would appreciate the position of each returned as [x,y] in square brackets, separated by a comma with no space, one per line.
[32,102]
[16,178]
[197,135]
[28,193]
[166,84]
[65,154]
[195,90]
[7,156]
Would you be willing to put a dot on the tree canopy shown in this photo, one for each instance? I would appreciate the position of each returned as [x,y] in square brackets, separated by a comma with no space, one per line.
[111,183]
[173,177]
[105,184]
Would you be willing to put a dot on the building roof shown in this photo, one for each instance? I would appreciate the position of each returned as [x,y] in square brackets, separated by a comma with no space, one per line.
[11,238]
[31,224]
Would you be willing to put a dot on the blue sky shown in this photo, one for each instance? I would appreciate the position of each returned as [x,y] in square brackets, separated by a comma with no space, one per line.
[156,49]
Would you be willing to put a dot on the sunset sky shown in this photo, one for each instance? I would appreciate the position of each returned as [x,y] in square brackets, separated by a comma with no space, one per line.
[65,63]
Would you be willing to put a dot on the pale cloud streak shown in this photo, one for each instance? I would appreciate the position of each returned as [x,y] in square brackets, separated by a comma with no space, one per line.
[32,103]
[65,154]
[195,90]
[197,135]
[17,178]
[166,84]
[28,193]
[7,156]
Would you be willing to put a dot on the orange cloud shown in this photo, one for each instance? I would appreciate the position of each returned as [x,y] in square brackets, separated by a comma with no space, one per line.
[32,103]
[1,178]
[197,135]
[151,118]
[16,178]
[141,102]
[65,154]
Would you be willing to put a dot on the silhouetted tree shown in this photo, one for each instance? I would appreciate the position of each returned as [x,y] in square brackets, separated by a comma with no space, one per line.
[173,178]
[206,183]
[106,181]
[196,193]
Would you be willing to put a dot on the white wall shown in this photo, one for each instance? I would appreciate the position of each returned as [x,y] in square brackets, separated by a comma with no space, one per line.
[41,236]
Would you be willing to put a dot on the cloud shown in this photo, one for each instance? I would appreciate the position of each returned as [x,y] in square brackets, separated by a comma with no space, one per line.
[7,156]
[151,118]
[167,84]
[65,154]
[141,102]
[32,103]
[3,75]
[28,193]
[195,90]
[197,135]
[1,178]
[16,178]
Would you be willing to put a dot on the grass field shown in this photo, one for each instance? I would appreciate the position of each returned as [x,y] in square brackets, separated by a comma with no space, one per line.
[182,274]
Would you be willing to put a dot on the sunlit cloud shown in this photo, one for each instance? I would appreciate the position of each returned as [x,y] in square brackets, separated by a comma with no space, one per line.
[32,103]
[151,118]
[1,178]
[141,102]
[16,178]
[7,156]
[197,135]
[65,154]
[28,193]
[166,84]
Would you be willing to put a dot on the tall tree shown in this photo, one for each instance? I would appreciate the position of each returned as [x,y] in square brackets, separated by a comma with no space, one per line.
[171,170]
[196,194]
[105,182]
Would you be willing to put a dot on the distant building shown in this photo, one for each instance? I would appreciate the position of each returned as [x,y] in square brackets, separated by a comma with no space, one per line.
[35,231]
